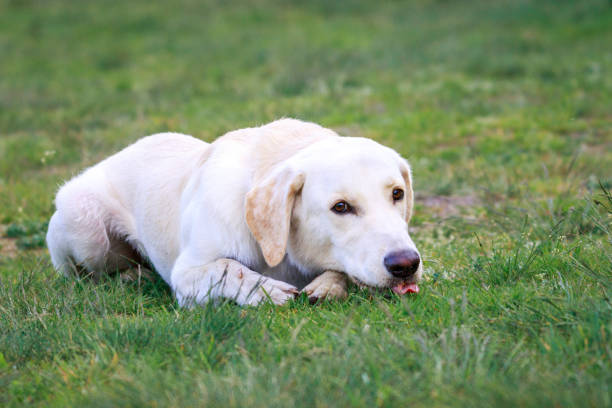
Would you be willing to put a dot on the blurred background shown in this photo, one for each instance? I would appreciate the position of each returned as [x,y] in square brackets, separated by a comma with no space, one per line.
[480,83]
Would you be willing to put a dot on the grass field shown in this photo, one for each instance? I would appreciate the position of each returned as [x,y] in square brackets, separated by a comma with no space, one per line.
[503,108]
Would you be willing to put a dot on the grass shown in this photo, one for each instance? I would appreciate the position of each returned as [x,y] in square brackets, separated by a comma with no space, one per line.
[503,109]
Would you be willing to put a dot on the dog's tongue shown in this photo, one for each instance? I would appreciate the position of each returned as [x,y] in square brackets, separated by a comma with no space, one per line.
[403,288]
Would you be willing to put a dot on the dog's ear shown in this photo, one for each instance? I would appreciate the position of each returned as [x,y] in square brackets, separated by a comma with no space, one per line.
[268,211]
[407,175]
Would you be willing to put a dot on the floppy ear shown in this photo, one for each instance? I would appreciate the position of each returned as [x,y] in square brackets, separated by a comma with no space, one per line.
[407,175]
[268,211]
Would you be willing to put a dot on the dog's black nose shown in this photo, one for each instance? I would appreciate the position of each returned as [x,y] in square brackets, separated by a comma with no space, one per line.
[402,264]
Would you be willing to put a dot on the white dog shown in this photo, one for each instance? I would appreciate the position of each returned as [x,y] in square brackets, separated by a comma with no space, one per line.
[252,216]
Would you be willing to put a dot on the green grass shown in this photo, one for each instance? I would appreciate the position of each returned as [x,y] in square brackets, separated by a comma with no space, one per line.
[503,109]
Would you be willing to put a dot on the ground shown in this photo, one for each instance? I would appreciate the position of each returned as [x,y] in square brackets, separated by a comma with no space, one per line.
[504,110]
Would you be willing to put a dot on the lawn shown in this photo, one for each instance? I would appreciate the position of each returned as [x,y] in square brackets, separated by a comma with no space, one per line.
[504,110]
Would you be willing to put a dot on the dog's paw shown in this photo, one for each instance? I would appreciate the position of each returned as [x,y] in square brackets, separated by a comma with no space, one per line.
[328,285]
[273,291]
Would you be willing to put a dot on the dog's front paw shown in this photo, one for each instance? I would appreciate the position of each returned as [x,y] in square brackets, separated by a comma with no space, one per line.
[328,285]
[271,290]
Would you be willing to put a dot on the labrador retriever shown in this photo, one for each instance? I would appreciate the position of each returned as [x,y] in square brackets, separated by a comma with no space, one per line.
[252,217]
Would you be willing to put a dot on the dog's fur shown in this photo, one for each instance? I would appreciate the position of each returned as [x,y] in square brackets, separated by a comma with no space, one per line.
[207,216]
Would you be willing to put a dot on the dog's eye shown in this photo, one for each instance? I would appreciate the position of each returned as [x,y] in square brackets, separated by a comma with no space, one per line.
[398,194]
[341,207]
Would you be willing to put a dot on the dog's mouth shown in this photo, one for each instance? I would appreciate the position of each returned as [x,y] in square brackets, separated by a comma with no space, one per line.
[404,287]
[401,288]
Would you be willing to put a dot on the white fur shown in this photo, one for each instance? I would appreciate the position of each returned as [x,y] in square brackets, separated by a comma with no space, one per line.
[181,202]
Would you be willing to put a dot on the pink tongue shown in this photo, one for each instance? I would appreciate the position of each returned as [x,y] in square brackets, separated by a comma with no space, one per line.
[403,288]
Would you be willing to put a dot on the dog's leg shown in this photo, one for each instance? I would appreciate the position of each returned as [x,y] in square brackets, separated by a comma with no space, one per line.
[225,278]
[328,285]
[77,236]
[58,247]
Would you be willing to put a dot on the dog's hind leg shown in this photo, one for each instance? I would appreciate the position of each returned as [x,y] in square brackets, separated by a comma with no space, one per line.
[78,236]
[58,246]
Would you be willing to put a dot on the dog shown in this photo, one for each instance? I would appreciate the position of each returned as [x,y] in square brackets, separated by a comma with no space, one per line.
[254,216]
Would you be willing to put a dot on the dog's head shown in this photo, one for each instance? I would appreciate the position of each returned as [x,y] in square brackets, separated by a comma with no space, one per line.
[340,204]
